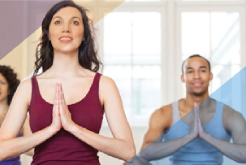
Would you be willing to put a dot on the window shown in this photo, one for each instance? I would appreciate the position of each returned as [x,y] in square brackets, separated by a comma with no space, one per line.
[132,53]
[143,43]
[216,36]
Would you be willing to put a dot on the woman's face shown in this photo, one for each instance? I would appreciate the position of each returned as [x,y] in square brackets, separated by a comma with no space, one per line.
[66,30]
[4,88]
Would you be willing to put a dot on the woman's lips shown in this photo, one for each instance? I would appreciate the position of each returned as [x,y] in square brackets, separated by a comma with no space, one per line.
[65,39]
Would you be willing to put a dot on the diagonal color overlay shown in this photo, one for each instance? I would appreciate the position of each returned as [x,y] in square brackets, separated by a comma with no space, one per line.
[232,93]
[20,28]
[19,19]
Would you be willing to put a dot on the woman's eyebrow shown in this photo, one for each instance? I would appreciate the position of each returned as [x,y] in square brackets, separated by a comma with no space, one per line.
[71,17]
[76,17]
[56,17]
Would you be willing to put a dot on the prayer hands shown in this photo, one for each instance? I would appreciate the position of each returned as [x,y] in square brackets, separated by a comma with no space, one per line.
[56,121]
[61,115]
[197,129]
[65,114]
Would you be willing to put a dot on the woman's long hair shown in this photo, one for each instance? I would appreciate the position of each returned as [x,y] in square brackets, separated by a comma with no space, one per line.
[87,52]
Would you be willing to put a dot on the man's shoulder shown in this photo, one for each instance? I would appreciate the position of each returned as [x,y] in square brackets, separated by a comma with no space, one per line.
[231,113]
[162,117]
[162,112]
[165,110]
[167,107]
[231,116]
[226,108]
[233,120]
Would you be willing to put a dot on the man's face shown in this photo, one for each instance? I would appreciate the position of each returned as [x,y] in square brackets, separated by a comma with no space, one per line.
[196,76]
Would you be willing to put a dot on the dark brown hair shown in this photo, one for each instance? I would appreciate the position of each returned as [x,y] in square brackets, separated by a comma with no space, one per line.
[87,52]
[12,80]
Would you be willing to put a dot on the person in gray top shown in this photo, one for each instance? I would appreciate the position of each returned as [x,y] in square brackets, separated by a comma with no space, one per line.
[196,129]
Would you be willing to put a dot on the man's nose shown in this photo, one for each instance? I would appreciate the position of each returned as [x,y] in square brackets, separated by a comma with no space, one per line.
[197,74]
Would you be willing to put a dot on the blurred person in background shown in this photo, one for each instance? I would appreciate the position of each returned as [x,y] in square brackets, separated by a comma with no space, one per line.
[8,85]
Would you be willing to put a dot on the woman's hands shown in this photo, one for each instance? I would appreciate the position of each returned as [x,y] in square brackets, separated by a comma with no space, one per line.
[61,115]
[56,124]
[65,115]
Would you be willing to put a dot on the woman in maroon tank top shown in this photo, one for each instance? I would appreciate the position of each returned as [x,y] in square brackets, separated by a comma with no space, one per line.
[67,100]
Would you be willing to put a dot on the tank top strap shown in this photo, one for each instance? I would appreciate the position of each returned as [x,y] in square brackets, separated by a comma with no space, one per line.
[95,84]
[218,116]
[94,90]
[34,84]
[176,115]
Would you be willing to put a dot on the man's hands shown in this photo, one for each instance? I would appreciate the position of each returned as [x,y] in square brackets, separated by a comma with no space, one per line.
[196,129]
[61,115]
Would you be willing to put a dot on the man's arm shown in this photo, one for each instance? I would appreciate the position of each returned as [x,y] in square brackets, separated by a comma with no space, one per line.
[236,124]
[153,148]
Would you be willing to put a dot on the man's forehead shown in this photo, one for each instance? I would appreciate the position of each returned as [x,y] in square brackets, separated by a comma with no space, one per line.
[196,62]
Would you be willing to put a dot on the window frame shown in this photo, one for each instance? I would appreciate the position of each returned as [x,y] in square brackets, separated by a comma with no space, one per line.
[170,12]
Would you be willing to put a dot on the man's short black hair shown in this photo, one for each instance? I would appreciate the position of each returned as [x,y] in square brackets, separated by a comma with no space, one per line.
[195,55]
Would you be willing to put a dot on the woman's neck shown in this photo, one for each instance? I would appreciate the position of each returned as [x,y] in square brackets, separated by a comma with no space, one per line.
[65,65]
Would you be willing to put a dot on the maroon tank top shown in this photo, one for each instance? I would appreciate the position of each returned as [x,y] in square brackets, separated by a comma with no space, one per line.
[64,148]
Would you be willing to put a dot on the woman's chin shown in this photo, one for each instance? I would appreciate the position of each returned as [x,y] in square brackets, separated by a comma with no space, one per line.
[67,51]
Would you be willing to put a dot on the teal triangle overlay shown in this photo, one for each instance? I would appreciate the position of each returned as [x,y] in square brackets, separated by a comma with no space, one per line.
[233,92]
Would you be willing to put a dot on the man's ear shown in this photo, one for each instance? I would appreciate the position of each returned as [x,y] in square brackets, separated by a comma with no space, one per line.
[211,76]
[182,78]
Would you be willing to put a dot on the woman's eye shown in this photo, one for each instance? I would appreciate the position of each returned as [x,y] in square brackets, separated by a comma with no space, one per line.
[57,22]
[75,22]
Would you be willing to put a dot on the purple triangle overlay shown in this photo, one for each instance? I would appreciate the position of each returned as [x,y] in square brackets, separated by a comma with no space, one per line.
[19,19]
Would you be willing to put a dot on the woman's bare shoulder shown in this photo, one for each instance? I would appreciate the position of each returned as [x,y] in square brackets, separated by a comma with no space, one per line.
[25,84]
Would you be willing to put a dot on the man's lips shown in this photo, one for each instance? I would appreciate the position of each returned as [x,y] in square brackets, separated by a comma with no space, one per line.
[197,84]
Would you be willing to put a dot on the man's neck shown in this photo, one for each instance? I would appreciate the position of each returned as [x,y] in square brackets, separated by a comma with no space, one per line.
[191,99]
[188,103]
